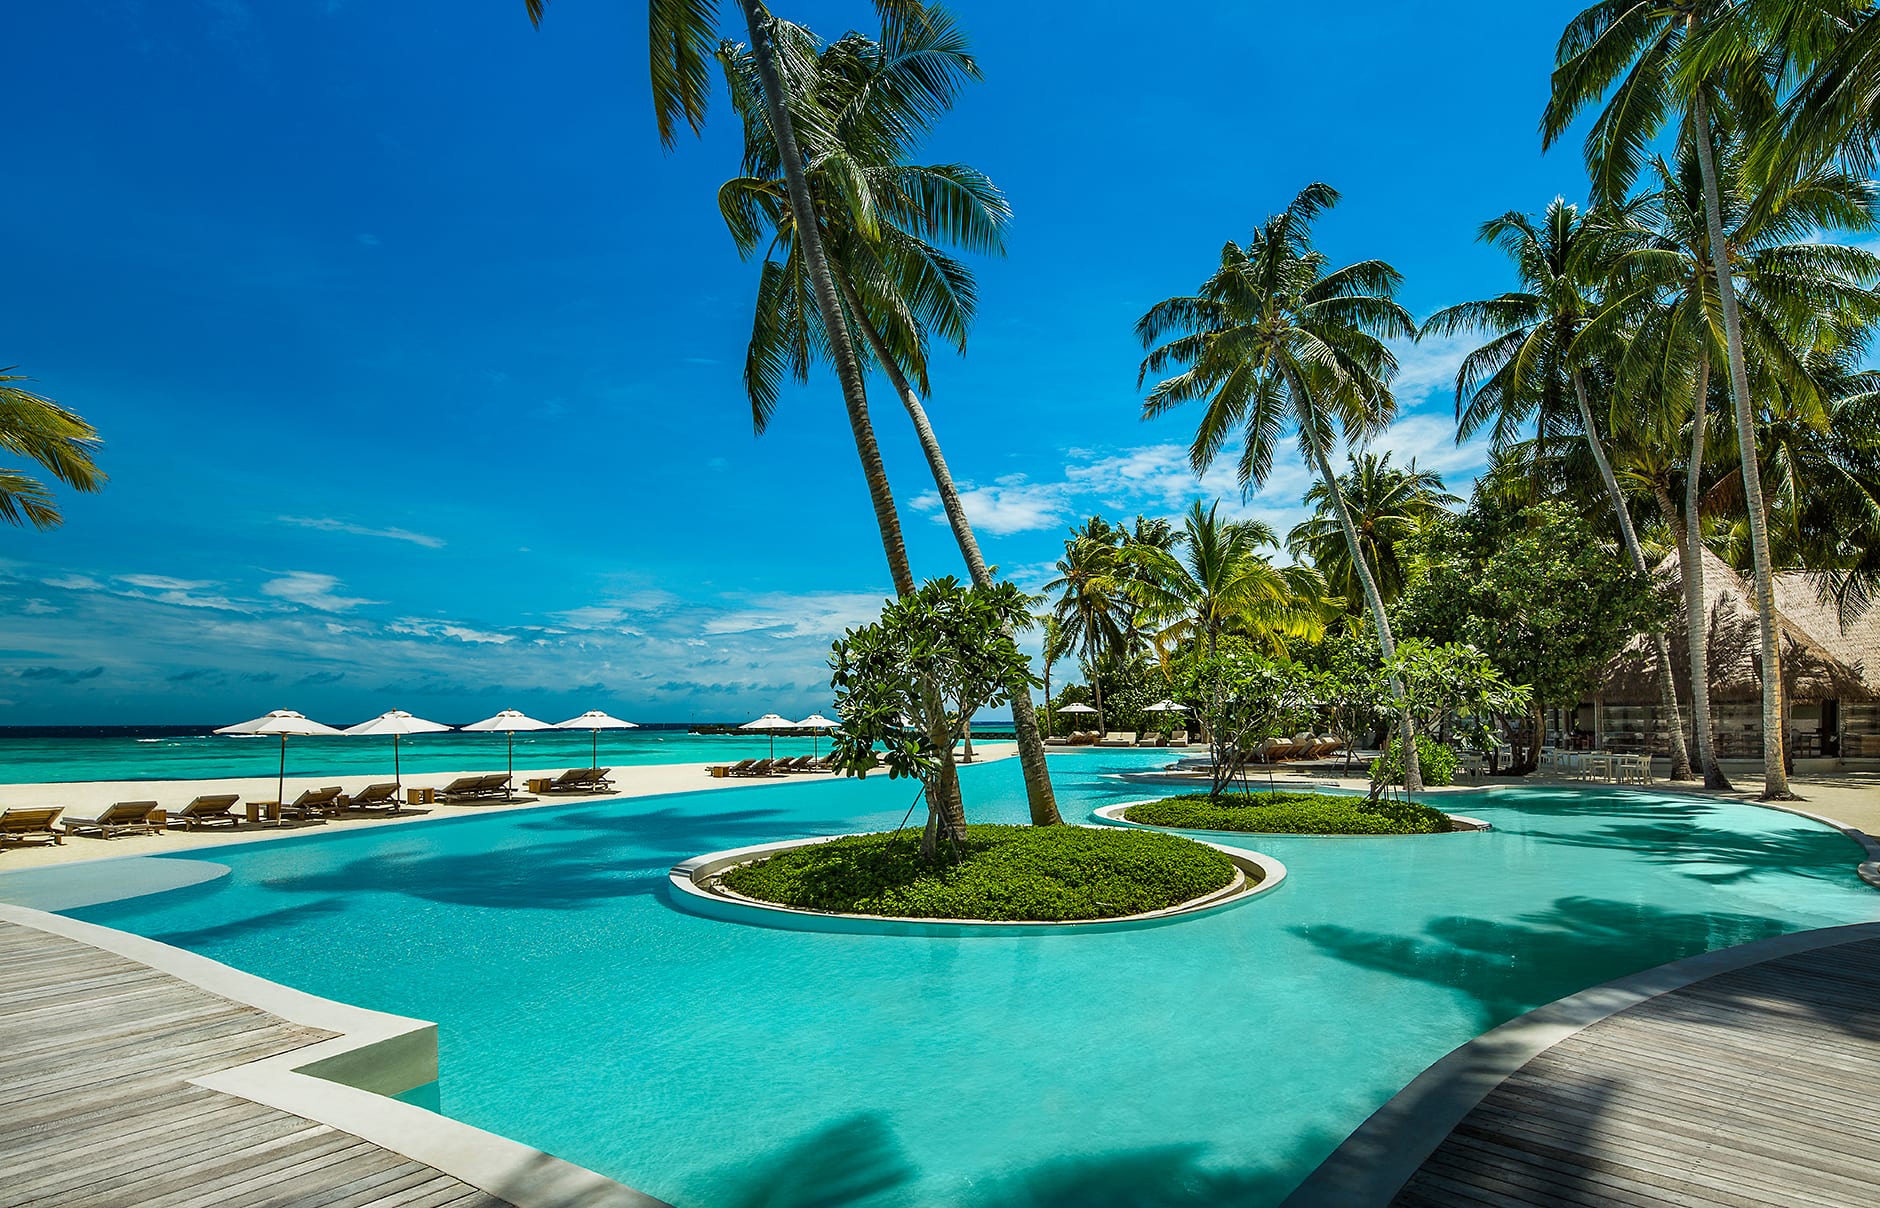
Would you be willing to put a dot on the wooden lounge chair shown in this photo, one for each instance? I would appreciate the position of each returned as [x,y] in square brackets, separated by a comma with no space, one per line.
[718,771]
[1057,740]
[496,784]
[374,798]
[1119,738]
[30,825]
[762,767]
[581,780]
[314,803]
[213,810]
[464,788]
[108,823]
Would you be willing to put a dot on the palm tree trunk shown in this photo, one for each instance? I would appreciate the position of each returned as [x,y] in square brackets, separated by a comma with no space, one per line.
[1096,690]
[1661,649]
[1775,774]
[1691,554]
[1038,794]
[1412,765]
[848,366]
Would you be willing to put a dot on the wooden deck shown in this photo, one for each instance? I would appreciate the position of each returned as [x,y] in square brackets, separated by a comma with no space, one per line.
[1755,1087]
[96,1055]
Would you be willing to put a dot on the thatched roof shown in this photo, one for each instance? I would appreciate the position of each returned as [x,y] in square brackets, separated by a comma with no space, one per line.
[1820,660]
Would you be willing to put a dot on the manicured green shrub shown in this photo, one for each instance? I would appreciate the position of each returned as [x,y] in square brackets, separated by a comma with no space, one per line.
[1291,813]
[1437,762]
[1005,873]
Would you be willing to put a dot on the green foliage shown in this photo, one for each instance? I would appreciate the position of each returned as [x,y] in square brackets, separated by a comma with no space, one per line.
[1437,761]
[1459,682]
[34,426]
[1291,813]
[1004,873]
[1536,591]
[954,639]
[1244,698]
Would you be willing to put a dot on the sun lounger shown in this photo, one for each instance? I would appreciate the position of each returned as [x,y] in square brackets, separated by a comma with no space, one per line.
[108,823]
[476,788]
[314,803]
[581,780]
[375,797]
[1178,739]
[213,810]
[718,771]
[1119,738]
[761,768]
[1057,740]
[30,825]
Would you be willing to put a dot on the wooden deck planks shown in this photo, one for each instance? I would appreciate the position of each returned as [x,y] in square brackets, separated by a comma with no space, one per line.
[1750,1089]
[96,1106]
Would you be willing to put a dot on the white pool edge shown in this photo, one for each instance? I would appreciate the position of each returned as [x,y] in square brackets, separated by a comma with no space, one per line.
[345,1082]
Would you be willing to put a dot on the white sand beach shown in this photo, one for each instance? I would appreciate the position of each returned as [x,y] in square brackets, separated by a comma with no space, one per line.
[84,798]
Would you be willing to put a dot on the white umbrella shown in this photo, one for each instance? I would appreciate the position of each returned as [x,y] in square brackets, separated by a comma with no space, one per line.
[397,723]
[1075,709]
[772,722]
[282,722]
[814,722]
[1165,706]
[509,721]
[595,721]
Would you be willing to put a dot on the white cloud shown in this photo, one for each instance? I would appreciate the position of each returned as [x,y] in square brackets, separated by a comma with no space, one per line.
[329,524]
[73,582]
[1426,369]
[311,590]
[38,608]
[183,593]
[1011,505]
[797,614]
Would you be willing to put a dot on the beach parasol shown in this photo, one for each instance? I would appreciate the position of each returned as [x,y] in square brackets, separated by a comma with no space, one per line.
[814,722]
[509,721]
[1165,706]
[397,723]
[771,722]
[595,721]
[282,722]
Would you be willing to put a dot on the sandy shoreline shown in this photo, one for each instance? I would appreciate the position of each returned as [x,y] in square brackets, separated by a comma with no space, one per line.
[83,798]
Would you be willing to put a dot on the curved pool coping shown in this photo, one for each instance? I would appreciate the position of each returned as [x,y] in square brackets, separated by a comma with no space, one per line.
[1381,1155]
[1112,815]
[696,889]
[345,1082]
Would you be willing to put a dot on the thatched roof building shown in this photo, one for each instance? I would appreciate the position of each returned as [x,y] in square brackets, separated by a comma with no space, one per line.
[1821,661]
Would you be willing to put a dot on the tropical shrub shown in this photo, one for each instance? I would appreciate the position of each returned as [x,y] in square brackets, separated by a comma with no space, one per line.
[1437,760]
[1291,813]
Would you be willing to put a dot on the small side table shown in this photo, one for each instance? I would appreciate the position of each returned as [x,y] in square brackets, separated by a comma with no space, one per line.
[539,784]
[420,796]
[159,820]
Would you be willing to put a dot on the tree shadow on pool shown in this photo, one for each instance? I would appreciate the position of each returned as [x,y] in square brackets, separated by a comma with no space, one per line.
[1720,856]
[859,1162]
[1511,967]
[608,855]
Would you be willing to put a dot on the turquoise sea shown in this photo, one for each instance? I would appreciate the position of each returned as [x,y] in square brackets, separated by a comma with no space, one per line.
[45,755]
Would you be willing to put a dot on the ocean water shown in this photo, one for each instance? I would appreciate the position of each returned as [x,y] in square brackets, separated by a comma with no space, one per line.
[194,753]
[1212,1061]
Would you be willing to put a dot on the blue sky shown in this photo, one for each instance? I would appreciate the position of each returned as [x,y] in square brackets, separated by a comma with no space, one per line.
[417,359]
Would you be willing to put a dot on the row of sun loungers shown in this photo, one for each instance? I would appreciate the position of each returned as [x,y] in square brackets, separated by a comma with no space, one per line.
[1117,738]
[771,767]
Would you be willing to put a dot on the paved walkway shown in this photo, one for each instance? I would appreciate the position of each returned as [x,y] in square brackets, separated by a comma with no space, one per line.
[96,1108]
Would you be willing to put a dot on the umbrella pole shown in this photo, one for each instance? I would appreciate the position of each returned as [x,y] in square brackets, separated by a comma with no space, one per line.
[507,789]
[280,782]
[594,748]
[398,777]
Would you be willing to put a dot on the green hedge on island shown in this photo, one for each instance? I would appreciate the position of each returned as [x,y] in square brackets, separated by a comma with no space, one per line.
[1005,874]
[1291,813]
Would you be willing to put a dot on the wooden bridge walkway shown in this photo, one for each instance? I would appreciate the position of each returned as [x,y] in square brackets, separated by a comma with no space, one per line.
[96,1108]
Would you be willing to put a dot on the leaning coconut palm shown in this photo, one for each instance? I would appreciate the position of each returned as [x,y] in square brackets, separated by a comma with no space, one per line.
[1796,290]
[35,427]
[1533,352]
[880,220]
[1693,63]
[1215,581]
[1389,505]
[1273,337]
[1093,587]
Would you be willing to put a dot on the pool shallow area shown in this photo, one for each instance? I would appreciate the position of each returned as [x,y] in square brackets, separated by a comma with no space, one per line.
[1213,1060]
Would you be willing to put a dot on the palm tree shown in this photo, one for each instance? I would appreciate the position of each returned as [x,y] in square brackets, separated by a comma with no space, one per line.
[1388,505]
[1056,644]
[1272,338]
[1665,296]
[1091,605]
[879,218]
[1649,58]
[1533,351]
[34,426]
[1216,581]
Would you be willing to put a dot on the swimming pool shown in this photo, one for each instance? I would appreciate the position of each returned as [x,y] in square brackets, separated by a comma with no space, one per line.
[1218,1059]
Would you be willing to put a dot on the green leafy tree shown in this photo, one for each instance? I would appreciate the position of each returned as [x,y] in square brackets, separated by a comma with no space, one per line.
[942,637]
[1277,337]
[1243,697]
[1535,347]
[35,427]
[1092,603]
[1538,593]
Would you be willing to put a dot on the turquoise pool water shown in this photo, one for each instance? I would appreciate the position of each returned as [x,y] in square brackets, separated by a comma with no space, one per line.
[1212,1061]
